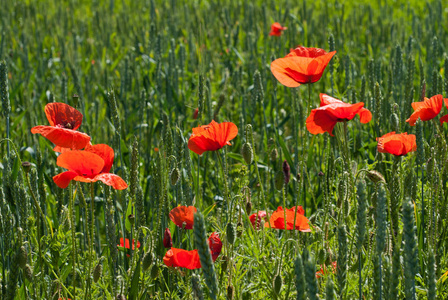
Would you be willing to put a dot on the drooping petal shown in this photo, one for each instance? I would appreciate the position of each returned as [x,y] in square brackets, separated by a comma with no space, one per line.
[215,245]
[426,110]
[105,152]
[320,121]
[291,71]
[443,119]
[183,216]
[211,137]
[63,180]
[182,258]
[112,180]
[63,115]
[84,163]
[65,138]
[397,144]
[326,99]
[365,116]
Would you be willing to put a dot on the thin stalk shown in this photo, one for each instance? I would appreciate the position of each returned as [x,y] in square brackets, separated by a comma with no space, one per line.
[73,232]
[423,206]
[226,187]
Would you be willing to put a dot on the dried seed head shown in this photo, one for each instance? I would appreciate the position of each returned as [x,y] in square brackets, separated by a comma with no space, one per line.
[97,272]
[248,153]
[131,219]
[320,174]
[375,176]
[279,180]
[26,165]
[147,261]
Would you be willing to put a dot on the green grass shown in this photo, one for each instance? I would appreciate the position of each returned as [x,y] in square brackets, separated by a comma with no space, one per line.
[162,60]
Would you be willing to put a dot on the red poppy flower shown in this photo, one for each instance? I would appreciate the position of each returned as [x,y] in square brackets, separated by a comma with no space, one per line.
[323,271]
[183,216]
[261,215]
[276,29]
[89,165]
[64,120]
[167,240]
[212,137]
[124,243]
[215,244]
[427,109]
[277,219]
[445,117]
[182,258]
[301,66]
[331,110]
[397,144]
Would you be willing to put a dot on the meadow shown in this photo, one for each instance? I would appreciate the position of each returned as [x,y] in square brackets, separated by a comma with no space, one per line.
[223,149]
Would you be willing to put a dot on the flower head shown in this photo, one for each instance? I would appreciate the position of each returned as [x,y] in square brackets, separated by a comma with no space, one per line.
[277,220]
[64,121]
[397,143]
[301,66]
[427,109]
[182,258]
[331,110]
[212,137]
[256,221]
[183,216]
[89,165]
[276,29]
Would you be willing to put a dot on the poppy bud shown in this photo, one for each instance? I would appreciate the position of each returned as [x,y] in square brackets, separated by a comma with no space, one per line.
[167,240]
[147,261]
[131,219]
[224,263]
[277,284]
[230,231]
[248,153]
[97,272]
[279,180]
[75,98]
[239,229]
[28,272]
[298,176]
[375,176]
[286,171]
[26,165]
[155,272]
[320,174]
[395,122]
[174,176]
[121,297]
[229,292]
[195,114]
[22,257]
[274,154]
[248,207]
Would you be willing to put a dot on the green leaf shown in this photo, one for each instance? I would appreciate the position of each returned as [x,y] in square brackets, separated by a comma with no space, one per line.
[15,169]
[129,211]
[133,293]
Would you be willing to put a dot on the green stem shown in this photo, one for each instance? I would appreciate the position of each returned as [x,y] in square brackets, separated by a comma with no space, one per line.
[226,187]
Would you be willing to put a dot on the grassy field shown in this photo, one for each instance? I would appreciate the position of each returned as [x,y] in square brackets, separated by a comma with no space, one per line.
[138,70]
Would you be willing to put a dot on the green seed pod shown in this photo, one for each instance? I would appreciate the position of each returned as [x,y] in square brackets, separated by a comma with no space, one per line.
[375,176]
[274,155]
[279,180]
[248,153]
[174,176]
[28,272]
[147,261]
[229,292]
[154,271]
[277,284]
[230,231]
[97,272]
[22,256]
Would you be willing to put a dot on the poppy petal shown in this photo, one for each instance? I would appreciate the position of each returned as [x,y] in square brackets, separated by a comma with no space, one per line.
[112,180]
[443,119]
[320,121]
[105,152]
[82,162]
[63,137]
[63,180]
[291,71]
[61,114]
[365,115]
[183,216]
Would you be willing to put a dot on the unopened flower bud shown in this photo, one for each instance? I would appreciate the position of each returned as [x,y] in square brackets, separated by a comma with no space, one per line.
[375,176]
[28,272]
[274,154]
[248,153]
[97,272]
[279,180]
[174,176]
[230,231]
[277,284]
[286,171]
[167,240]
[248,207]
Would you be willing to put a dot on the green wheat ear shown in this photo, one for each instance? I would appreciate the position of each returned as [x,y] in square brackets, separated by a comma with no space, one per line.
[200,241]
[300,278]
